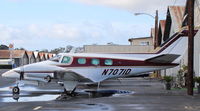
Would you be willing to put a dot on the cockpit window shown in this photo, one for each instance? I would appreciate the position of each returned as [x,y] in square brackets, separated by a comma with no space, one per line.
[66,60]
[55,58]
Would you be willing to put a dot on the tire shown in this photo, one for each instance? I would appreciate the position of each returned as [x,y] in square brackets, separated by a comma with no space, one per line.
[16,90]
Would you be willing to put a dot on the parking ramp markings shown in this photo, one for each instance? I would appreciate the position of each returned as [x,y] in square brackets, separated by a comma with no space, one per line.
[36,108]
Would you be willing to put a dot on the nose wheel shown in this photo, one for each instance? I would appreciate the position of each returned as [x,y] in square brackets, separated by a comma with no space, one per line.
[16,90]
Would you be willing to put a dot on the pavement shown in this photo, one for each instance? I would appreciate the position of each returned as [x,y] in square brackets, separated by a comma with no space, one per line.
[144,94]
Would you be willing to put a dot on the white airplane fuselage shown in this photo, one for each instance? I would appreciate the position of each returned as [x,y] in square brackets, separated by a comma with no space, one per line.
[96,72]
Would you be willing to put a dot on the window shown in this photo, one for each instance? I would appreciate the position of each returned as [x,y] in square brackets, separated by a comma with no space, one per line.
[108,62]
[95,61]
[144,43]
[81,60]
[66,59]
[55,58]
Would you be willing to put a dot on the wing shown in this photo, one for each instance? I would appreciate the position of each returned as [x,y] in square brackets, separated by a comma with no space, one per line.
[164,58]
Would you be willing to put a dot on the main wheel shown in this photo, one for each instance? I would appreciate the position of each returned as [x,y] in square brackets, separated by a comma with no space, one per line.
[16,90]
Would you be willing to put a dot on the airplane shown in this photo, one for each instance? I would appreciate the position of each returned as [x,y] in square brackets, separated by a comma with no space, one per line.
[71,69]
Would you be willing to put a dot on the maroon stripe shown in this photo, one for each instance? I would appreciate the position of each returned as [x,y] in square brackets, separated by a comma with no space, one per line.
[116,62]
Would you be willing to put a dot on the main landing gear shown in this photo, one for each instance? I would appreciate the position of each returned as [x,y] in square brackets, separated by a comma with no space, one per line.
[70,93]
[67,94]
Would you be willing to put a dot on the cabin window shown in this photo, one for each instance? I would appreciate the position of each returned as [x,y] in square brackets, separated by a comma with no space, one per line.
[95,61]
[108,62]
[66,59]
[82,61]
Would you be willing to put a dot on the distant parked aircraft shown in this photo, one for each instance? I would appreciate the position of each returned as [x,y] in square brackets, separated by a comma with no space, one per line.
[71,69]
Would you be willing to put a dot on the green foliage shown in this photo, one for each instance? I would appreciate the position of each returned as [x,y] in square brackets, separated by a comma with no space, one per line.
[197,79]
[185,68]
[168,78]
[4,47]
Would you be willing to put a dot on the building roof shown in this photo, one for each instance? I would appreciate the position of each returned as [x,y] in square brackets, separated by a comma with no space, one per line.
[162,25]
[176,14]
[30,54]
[46,55]
[36,54]
[15,53]
[161,31]
[41,54]
[131,39]
[50,55]
[173,22]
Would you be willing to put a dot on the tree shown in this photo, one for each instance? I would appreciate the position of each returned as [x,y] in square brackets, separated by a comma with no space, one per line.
[44,50]
[79,50]
[68,48]
[58,50]
[4,47]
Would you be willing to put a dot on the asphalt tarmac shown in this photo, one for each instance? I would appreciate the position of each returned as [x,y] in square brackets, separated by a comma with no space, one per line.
[129,94]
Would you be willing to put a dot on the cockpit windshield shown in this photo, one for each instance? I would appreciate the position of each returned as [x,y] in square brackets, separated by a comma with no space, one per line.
[56,58]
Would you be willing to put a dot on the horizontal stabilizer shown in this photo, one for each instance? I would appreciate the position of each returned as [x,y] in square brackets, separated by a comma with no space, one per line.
[165,58]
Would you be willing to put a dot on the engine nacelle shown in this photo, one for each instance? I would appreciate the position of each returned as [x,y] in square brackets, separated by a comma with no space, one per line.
[44,77]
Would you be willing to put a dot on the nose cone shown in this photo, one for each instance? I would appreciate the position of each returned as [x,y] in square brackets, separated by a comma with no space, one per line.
[11,74]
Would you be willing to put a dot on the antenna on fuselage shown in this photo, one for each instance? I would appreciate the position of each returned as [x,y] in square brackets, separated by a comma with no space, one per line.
[21,73]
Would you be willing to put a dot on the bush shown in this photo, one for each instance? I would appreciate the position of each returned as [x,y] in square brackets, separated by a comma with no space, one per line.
[168,78]
[197,79]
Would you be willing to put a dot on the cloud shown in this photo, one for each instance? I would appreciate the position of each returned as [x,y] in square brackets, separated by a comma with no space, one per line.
[148,6]
[7,32]
[37,36]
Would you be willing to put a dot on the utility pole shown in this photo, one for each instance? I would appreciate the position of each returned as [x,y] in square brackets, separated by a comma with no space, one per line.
[190,47]
[156,30]
[156,37]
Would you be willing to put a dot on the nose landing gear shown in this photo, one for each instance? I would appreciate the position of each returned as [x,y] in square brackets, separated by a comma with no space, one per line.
[16,90]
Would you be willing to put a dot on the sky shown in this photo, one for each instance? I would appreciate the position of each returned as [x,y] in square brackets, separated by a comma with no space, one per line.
[49,24]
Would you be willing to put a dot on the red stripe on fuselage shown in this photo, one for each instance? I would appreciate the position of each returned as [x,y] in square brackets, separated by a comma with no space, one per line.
[116,62]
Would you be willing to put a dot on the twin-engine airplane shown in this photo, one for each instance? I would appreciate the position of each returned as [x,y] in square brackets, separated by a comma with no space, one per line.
[71,69]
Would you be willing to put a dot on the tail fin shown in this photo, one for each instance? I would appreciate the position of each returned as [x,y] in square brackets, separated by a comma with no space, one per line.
[177,45]
[172,50]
